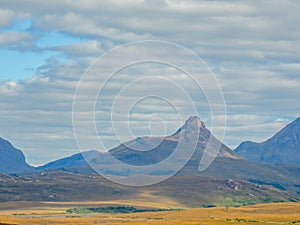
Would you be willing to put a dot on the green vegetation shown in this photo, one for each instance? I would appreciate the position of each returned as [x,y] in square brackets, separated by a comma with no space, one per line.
[209,206]
[240,220]
[55,214]
[114,209]
[179,191]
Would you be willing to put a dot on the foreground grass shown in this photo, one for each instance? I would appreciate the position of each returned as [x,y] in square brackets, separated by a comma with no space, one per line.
[272,213]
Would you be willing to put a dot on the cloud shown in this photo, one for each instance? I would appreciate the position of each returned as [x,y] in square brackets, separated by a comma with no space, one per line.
[12,38]
[82,49]
[253,48]
[6,17]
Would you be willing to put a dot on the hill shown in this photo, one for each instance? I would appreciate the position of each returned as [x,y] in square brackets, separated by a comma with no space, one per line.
[229,176]
[12,160]
[75,163]
[227,165]
[191,140]
[182,191]
[282,148]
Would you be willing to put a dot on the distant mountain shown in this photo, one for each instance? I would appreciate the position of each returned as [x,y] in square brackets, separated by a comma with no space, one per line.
[150,150]
[282,148]
[229,175]
[133,152]
[75,163]
[147,151]
[12,160]
[228,164]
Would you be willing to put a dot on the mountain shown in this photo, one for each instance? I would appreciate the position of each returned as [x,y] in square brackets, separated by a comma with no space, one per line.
[12,160]
[150,150]
[75,163]
[193,131]
[143,151]
[282,148]
[228,178]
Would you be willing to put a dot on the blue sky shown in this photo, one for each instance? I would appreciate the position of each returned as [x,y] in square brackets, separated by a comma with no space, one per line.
[23,63]
[253,48]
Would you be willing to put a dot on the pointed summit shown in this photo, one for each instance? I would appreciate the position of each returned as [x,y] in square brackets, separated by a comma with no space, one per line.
[192,128]
[193,122]
[146,151]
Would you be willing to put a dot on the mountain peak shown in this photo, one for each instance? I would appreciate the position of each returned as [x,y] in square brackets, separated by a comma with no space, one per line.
[290,132]
[192,128]
[194,122]
[281,148]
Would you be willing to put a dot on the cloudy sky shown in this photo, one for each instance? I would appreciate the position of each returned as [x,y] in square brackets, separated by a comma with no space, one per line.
[252,48]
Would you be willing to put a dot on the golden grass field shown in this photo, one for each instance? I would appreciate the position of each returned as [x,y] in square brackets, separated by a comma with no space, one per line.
[55,213]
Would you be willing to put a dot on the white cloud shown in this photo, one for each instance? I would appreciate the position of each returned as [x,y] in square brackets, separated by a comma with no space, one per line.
[9,88]
[6,17]
[8,39]
[81,49]
[252,46]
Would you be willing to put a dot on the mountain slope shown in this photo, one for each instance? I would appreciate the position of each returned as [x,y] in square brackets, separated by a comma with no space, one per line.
[226,165]
[282,148]
[75,163]
[181,191]
[12,160]
[145,151]
[228,177]
[193,130]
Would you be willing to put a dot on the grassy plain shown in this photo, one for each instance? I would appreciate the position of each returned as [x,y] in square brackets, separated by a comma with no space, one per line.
[54,213]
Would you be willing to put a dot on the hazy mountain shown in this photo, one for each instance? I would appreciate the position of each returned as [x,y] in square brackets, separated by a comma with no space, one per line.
[227,164]
[12,160]
[229,175]
[282,148]
[75,163]
[193,130]
[148,151]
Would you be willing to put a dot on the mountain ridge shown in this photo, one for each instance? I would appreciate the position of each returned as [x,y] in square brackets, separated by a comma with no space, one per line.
[282,148]
[12,159]
[244,182]
[226,165]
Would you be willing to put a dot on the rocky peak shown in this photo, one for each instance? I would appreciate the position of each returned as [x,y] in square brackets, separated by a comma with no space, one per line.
[194,122]
[192,128]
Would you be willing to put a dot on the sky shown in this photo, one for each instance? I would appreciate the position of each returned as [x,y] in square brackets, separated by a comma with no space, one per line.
[251,47]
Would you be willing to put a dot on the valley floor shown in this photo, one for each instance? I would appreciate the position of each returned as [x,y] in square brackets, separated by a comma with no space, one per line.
[55,213]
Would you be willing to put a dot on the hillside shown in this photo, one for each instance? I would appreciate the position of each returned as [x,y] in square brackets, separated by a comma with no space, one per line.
[75,163]
[227,164]
[193,137]
[229,175]
[12,160]
[282,148]
[184,191]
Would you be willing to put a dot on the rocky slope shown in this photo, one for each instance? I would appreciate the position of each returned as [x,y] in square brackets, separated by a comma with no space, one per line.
[282,148]
[12,160]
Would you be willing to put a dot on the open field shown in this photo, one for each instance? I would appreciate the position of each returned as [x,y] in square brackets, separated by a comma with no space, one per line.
[54,213]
